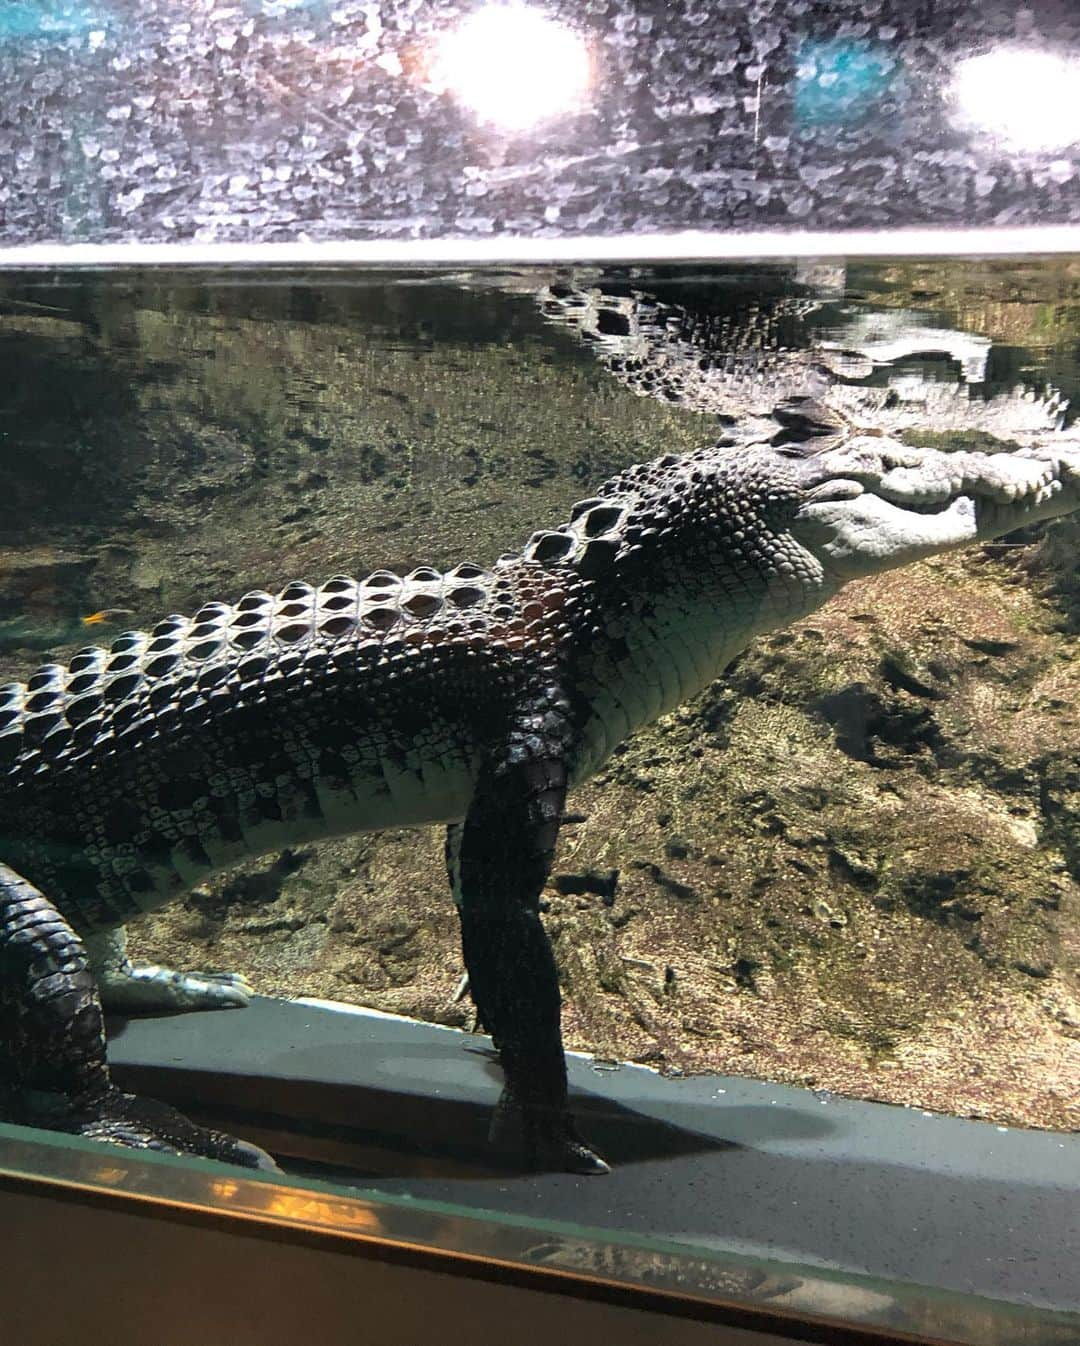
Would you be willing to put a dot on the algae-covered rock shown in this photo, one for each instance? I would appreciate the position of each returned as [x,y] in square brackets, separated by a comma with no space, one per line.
[854,862]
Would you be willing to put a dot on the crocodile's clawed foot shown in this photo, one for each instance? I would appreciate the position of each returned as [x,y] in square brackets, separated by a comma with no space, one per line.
[140,1124]
[572,1155]
[146,987]
[546,1136]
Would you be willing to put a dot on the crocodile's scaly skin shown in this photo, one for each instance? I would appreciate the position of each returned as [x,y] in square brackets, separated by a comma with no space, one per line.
[720,356]
[724,359]
[474,698]
[52,1043]
[133,772]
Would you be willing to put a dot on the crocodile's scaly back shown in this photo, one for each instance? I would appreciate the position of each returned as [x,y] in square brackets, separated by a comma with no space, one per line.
[135,770]
[739,360]
[729,360]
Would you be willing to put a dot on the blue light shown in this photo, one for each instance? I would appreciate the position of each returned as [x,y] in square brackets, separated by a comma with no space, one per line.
[841,81]
[23,19]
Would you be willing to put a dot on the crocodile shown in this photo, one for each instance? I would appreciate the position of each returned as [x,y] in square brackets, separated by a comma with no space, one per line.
[881,369]
[475,698]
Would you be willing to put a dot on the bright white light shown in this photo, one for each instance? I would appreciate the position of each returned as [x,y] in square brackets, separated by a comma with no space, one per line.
[513,66]
[1029,100]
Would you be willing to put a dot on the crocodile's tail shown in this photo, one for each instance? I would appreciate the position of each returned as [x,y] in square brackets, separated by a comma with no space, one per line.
[53,1068]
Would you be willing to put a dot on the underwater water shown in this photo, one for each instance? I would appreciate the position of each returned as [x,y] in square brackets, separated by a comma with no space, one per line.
[851,864]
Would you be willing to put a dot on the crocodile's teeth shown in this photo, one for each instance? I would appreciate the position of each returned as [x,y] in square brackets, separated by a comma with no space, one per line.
[843,488]
[1005,489]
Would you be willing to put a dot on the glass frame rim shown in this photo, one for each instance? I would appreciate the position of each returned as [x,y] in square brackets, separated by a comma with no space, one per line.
[485,1246]
[644,249]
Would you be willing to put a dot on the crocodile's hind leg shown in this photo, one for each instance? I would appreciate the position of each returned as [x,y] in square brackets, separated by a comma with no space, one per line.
[498,861]
[136,987]
[53,1071]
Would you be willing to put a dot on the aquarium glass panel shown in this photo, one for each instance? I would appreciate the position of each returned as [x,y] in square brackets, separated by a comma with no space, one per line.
[394,656]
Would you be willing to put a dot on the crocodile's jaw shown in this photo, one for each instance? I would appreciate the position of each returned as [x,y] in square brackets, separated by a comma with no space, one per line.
[878,504]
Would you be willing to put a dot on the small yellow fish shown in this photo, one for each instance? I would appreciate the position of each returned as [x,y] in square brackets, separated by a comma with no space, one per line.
[107,615]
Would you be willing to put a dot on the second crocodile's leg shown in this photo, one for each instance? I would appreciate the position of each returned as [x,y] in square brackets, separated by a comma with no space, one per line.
[498,861]
[53,1069]
[128,987]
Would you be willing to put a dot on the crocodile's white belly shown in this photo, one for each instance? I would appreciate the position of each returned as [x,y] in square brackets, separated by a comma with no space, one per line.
[379,795]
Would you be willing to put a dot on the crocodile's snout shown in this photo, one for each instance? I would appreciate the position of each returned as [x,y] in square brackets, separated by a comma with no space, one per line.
[872,503]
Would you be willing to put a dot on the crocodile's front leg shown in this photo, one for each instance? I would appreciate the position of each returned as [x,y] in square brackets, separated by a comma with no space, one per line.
[53,1071]
[128,987]
[498,861]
